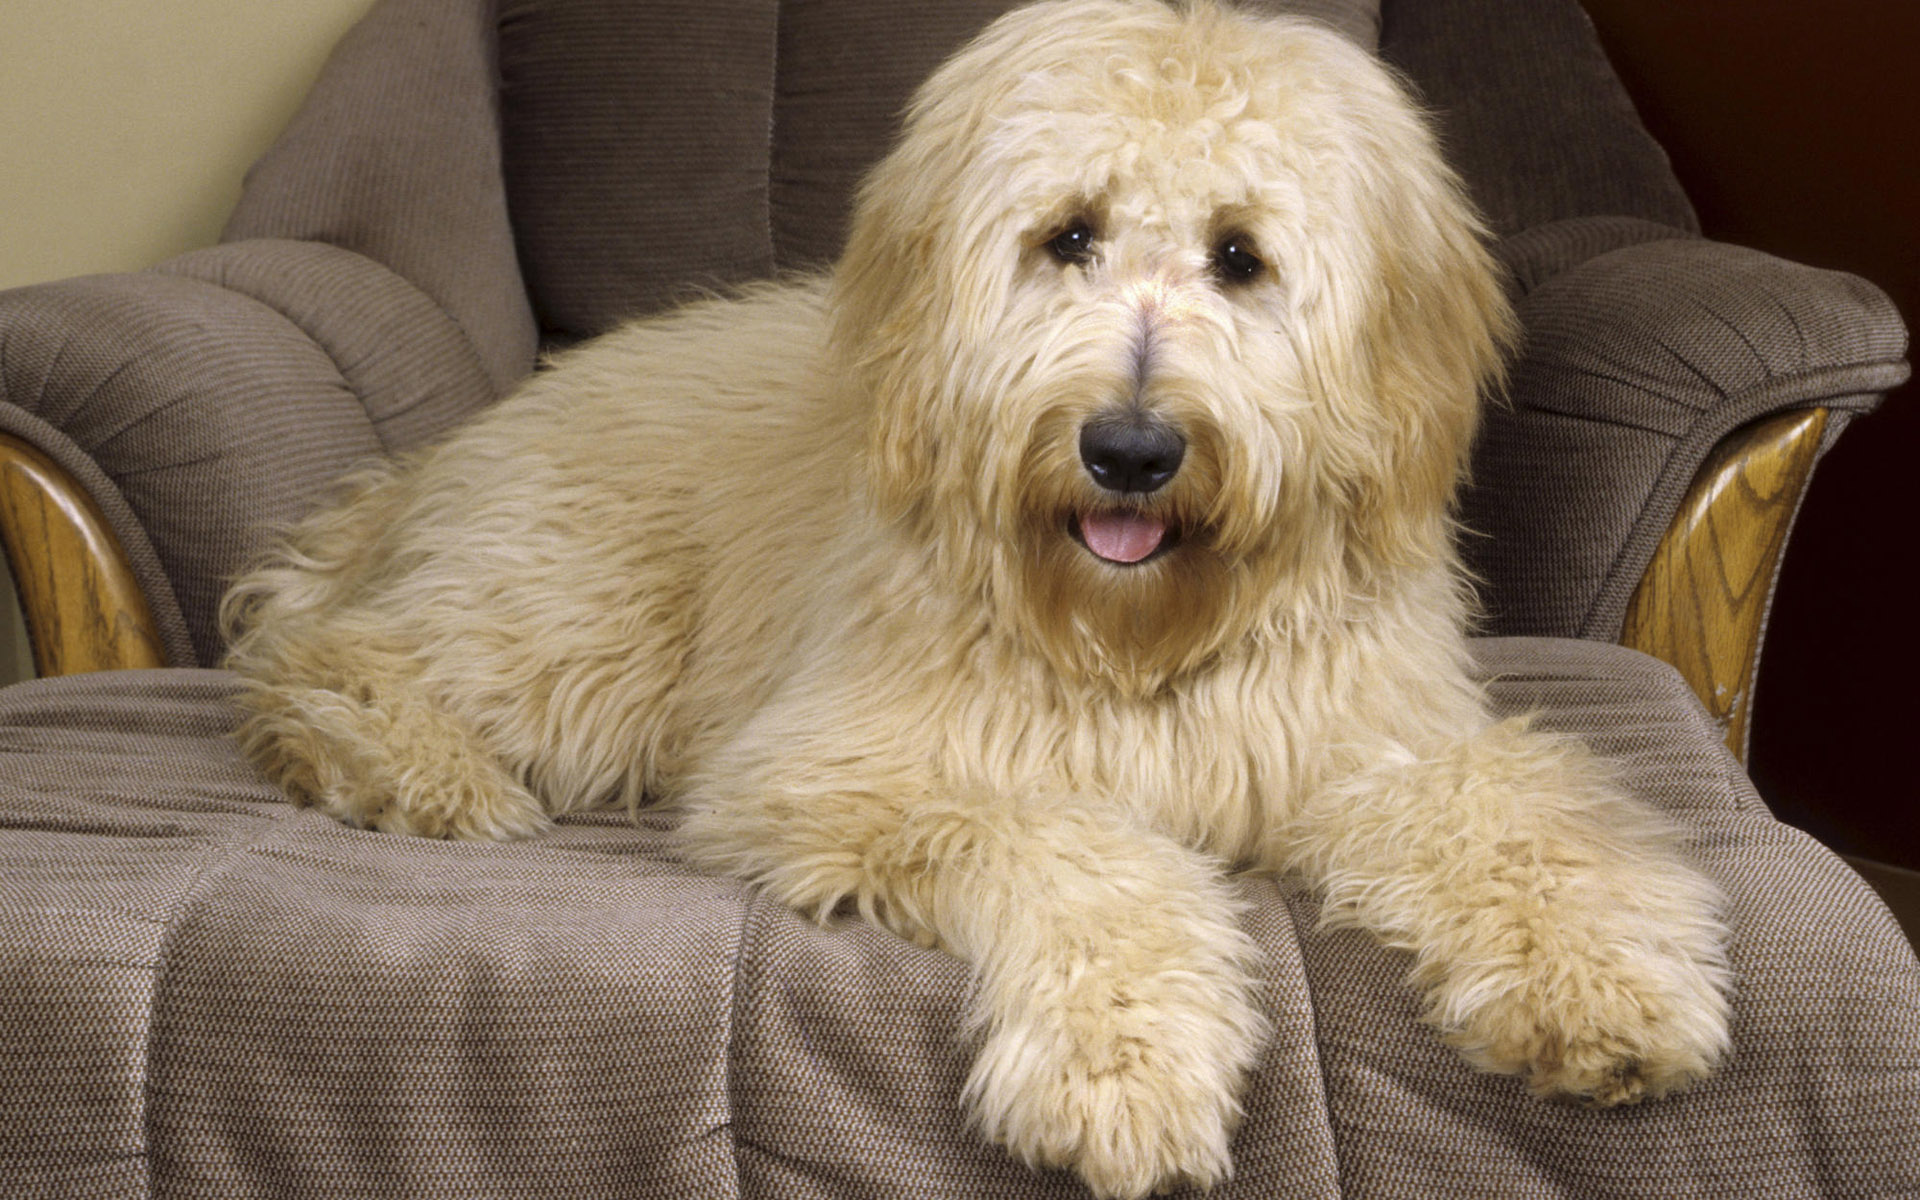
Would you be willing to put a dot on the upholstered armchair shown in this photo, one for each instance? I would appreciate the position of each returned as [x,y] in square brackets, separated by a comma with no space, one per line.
[209,991]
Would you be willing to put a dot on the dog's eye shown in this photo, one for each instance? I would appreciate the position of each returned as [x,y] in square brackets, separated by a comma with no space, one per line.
[1074,244]
[1235,262]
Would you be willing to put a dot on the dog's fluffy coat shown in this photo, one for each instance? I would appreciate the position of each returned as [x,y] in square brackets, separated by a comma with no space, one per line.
[815,564]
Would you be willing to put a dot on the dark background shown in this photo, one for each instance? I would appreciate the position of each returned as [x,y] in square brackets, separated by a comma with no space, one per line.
[1795,127]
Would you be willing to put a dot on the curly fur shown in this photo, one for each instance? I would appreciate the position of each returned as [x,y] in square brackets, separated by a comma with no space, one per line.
[801,562]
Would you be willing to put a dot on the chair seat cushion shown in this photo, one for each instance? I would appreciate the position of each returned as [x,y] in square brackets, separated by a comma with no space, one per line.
[209,991]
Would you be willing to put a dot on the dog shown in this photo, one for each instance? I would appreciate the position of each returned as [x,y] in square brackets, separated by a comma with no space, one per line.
[1082,536]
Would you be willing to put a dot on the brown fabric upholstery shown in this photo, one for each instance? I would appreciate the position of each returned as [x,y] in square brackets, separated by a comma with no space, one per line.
[396,157]
[1539,252]
[223,395]
[1531,113]
[230,996]
[636,146]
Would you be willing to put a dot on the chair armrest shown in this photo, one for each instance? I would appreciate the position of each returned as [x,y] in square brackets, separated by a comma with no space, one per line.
[200,404]
[1636,364]
[1702,603]
[84,609]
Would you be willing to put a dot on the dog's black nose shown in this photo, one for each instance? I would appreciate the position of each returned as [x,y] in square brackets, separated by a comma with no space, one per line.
[1131,453]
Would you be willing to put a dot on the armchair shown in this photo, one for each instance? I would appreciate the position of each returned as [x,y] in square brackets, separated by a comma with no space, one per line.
[210,991]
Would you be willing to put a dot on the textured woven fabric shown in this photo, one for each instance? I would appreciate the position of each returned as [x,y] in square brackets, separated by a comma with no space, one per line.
[1636,362]
[397,352]
[396,156]
[1536,254]
[206,992]
[636,140]
[223,395]
[1531,113]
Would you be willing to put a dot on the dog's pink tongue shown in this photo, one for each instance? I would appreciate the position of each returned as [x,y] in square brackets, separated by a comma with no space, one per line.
[1123,537]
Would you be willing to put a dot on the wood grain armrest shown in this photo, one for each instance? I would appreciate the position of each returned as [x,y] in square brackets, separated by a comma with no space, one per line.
[1702,602]
[83,609]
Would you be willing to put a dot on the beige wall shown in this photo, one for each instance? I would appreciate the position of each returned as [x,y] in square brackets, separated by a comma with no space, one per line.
[125,129]
[126,125]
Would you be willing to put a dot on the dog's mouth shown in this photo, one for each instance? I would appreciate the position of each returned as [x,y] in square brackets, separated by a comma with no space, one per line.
[1124,537]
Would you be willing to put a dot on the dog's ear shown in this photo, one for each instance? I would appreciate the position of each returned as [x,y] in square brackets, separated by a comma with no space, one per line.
[881,305]
[921,281]
[1422,327]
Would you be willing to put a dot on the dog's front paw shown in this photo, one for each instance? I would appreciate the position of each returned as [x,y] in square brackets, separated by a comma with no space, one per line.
[1134,1099]
[1615,1031]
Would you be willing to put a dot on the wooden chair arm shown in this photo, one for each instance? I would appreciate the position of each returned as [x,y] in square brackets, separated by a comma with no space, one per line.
[83,609]
[1702,602]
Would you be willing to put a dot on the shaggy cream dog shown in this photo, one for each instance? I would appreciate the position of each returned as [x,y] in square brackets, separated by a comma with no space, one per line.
[1082,537]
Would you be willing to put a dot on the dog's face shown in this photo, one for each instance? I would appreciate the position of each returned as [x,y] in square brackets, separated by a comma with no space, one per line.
[1173,323]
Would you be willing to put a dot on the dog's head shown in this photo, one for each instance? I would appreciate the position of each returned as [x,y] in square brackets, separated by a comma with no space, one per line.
[1173,322]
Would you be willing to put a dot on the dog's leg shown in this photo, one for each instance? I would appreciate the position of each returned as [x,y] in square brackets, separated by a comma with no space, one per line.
[351,732]
[1556,931]
[1113,1002]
